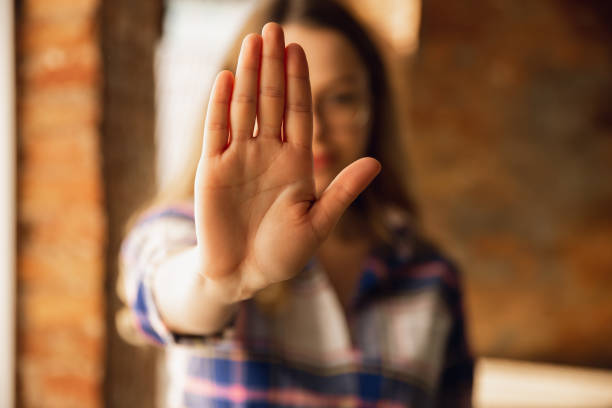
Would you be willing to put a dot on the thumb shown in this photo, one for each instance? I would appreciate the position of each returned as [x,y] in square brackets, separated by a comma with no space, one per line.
[342,191]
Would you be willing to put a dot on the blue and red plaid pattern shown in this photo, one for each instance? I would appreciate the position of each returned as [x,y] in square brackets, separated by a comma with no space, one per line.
[402,343]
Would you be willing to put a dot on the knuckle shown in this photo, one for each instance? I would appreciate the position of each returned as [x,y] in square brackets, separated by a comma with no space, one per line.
[220,100]
[216,126]
[300,106]
[268,130]
[299,76]
[271,91]
[250,67]
[244,98]
[242,133]
[274,55]
[344,196]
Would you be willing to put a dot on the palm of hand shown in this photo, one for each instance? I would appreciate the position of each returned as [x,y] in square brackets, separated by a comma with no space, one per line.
[257,217]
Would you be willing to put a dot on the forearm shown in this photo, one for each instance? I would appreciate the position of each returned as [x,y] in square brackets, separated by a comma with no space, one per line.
[188,303]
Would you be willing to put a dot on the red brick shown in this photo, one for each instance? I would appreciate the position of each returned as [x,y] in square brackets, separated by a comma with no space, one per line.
[79,147]
[56,187]
[60,9]
[39,35]
[72,349]
[56,65]
[55,310]
[53,268]
[62,107]
[74,390]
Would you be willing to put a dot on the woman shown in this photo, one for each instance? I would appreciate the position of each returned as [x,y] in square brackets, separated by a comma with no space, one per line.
[281,282]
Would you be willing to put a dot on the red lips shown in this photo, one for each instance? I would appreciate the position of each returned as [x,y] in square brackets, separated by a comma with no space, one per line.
[322,160]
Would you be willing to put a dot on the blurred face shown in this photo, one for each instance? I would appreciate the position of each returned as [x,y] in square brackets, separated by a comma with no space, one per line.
[341,99]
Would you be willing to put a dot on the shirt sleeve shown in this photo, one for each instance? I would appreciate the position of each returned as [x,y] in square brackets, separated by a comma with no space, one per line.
[155,235]
[456,380]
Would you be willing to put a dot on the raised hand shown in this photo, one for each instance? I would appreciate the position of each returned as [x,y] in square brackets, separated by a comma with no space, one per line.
[258,220]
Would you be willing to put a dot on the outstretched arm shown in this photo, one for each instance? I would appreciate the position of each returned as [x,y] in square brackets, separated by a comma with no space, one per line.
[258,219]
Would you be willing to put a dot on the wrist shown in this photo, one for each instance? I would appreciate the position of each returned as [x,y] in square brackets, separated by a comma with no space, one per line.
[189,302]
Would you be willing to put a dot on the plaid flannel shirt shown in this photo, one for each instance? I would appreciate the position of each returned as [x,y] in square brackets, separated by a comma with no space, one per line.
[402,343]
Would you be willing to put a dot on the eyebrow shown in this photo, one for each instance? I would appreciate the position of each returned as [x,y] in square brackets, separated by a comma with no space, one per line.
[345,78]
[340,80]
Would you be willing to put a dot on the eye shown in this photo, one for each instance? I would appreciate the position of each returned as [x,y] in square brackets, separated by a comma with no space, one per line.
[344,98]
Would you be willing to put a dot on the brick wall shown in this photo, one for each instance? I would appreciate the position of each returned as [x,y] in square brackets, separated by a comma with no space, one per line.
[61,222]
[512,151]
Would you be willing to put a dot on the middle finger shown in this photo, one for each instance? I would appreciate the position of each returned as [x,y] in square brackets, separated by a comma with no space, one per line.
[271,83]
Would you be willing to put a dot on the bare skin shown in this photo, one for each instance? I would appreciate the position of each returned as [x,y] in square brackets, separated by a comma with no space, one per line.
[258,215]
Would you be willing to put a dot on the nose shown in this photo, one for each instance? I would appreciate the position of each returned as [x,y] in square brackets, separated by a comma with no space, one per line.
[317,126]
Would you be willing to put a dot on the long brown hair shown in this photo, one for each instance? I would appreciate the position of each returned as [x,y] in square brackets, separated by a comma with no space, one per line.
[391,188]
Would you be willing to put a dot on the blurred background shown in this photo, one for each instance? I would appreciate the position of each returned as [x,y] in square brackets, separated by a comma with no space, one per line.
[509,111]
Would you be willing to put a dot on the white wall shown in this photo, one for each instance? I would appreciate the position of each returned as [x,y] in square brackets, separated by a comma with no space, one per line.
[196,35]
[7,206]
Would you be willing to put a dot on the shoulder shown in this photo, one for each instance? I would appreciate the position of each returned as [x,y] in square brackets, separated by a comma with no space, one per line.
[415,263]
[409,246]
[159,228]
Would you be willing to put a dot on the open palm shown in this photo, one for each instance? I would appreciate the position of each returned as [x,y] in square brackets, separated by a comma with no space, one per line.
[258,220]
